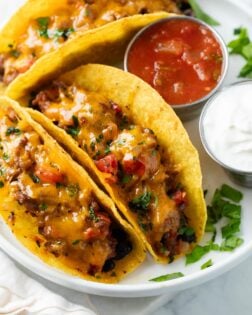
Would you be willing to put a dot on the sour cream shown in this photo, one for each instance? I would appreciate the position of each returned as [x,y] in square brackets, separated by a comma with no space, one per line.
[226,126]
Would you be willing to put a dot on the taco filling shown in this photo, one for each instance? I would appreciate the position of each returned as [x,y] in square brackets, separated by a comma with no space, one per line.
[71,222]
[47,33]
[130,159]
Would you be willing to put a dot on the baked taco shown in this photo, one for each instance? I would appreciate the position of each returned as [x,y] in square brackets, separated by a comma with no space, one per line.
[45,36]
[134,145]
[55,209]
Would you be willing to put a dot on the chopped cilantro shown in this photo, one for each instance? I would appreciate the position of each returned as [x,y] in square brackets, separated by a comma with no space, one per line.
[93,215]
[145,226]
[74,130]
[99,138]
[107,150]
[207,264]
[231,228]
[43,206]
[35,178]
[231,211]
[236,45]
[5,156]
[246,70]
[242,46]
[187,234]
[64,33]
[231,243]
[43,23]
[168,277]
[1,184]
[92,145]
[197,253]
[72,189]
[231,193]
[12,130]
[141,203]
[200,14]
[126,179]
[15,53]
[2,171]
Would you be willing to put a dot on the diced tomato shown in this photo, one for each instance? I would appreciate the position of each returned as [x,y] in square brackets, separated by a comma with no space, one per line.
[180,197]
[49,174]
[134,167]
[108,164]
[116,108]
[92,233]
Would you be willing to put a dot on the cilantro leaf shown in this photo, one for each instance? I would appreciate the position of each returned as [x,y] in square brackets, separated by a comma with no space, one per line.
[197,253]
[12,130]
[246,70]
[93,215]
[236,45]
[207,264]
[200,14]
[247,51]
[141,203]
[231,228]
[230,192]
[72,189]
[43,23]
[74,130]
[168,277]
[187,234]
[232,211]
[231,243]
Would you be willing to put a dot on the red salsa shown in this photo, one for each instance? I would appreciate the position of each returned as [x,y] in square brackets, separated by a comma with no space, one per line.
[180,58]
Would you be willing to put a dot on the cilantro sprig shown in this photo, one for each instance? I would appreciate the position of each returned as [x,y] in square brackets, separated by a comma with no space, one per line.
[242,46]
[221,207]
[168,277]
[207,264]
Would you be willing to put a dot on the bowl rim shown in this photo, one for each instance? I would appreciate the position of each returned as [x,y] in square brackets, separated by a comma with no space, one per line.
[202,130]
[215,33]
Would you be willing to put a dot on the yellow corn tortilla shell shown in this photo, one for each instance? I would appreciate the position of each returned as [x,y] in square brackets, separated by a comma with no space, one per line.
[26,227]
[148,109]
[105,44]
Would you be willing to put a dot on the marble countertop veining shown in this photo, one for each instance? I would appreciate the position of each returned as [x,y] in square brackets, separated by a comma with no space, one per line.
[229,294]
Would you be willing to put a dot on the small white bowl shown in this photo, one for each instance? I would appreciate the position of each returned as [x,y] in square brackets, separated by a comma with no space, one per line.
[238,176]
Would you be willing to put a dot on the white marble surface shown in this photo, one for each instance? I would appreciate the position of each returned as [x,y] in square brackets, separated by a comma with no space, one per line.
[229,294]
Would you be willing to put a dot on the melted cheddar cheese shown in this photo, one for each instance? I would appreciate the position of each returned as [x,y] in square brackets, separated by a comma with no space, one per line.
[47,33]
[128,156]
[71,223]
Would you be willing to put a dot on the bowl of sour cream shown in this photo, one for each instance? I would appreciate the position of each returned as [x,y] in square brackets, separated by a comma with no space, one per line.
[226,130]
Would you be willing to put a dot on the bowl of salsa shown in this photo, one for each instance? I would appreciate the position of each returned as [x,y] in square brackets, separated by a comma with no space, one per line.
[181,57]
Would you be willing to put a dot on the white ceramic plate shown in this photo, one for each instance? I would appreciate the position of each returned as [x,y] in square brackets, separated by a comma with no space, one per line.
[136,284]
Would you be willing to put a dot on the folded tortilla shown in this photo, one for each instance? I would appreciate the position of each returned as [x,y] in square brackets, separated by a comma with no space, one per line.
[46,38]
[55,209]
[135,147]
